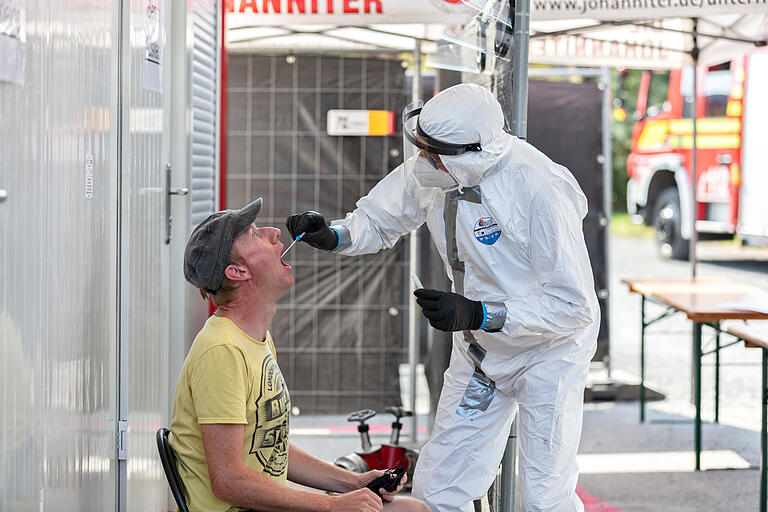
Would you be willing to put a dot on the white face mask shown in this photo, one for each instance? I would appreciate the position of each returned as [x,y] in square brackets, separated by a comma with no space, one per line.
[427,176]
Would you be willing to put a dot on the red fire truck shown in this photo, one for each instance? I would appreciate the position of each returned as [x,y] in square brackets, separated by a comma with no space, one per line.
[732,139]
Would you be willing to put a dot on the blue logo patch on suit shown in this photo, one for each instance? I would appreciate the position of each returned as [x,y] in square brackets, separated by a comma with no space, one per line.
[487,231]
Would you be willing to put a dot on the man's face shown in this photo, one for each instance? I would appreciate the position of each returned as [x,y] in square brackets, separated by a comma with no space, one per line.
[260,248]
[436,162]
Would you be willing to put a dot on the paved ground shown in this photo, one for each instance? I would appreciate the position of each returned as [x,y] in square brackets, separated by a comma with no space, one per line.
[647,467]
[668,345]
[615,428]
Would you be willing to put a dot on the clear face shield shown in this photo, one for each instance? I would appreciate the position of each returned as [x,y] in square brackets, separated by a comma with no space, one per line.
[422,153]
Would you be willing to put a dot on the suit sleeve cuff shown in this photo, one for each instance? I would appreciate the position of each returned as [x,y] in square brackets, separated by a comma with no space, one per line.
[345,237]
[495,316]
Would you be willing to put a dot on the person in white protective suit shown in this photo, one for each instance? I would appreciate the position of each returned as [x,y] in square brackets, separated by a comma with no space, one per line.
[507,222]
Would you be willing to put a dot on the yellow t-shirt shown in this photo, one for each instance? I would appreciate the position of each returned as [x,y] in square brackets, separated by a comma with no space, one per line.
[229,377]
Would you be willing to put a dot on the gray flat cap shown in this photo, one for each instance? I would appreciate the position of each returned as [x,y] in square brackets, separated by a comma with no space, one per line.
[209,245]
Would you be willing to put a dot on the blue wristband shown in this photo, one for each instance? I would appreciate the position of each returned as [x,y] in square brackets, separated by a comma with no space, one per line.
[485,316]
[338,239]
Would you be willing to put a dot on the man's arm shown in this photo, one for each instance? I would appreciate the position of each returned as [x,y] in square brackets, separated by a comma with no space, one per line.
[382,216]
[391,209]
[310,471]
[234,482]
[559,304]
[305,469]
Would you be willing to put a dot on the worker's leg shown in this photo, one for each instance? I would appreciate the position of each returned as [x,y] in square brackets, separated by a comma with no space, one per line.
[551,397]
[462,458]
[405,504]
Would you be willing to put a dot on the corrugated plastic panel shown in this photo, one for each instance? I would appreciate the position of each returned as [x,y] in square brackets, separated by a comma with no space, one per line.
[58,240]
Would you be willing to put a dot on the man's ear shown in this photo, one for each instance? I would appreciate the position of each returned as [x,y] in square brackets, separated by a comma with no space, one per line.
[237,273]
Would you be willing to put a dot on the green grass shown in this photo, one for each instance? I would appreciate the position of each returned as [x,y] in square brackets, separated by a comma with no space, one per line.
[622,226]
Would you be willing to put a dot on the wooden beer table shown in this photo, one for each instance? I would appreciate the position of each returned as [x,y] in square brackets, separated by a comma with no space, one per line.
[709,301]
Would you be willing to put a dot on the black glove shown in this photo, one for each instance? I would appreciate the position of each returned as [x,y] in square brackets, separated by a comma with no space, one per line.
[450,311]
[389,480]
[318,233]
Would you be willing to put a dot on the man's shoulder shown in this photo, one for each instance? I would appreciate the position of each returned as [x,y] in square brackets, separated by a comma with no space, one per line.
[529,173]
[521,170]
[221,334]
[216,330]
[215,335]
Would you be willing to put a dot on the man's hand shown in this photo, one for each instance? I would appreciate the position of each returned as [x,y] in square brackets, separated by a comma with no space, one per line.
[365,478]
[318,234]
[449,311]
[361,500]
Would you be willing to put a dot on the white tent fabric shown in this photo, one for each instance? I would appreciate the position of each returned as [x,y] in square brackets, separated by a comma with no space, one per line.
[629,33]
[245,37]
[654,44]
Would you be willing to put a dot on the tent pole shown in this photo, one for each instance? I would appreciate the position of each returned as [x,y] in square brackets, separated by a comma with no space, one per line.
[520,67]
[413,269]
[519,127]
[694,216]
[607,152]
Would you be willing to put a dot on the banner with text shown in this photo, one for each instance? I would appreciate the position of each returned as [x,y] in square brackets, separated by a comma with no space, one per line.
[367,12]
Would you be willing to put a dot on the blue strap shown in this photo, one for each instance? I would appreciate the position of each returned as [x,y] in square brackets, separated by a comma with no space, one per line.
[485,316]
[338,239]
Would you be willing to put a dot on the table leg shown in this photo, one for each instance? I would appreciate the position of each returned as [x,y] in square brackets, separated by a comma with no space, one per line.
[717,372]
[642,358]
[697,390]
[764,438]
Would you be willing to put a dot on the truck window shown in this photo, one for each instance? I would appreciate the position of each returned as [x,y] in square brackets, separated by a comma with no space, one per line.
[715,89]
[657,93]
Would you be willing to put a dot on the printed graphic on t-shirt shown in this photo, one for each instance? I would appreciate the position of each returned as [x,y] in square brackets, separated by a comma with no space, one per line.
[270,436]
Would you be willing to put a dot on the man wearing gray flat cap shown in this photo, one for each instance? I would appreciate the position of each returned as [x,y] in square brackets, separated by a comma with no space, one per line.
[231,408]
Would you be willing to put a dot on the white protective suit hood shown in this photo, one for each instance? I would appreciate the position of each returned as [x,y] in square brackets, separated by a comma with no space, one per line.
[464,114]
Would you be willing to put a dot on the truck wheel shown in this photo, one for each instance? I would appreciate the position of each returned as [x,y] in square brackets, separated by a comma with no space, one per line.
[667,221]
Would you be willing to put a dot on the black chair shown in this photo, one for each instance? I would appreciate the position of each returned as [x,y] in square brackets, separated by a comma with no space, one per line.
[169,466]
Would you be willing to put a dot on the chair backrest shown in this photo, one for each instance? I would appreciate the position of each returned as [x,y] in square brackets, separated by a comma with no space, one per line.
[169,466]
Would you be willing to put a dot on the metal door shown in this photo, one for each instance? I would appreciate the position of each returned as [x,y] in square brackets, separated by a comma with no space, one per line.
[143,252]
[195,127]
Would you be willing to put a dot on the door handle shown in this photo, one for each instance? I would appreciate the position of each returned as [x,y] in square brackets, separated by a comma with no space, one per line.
[3,195]
[170,192]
